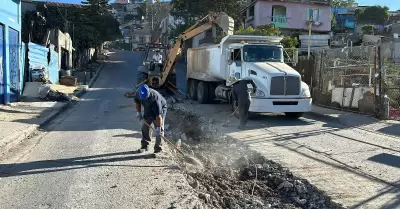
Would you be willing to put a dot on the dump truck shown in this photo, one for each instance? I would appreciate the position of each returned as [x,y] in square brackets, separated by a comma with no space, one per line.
[212,69]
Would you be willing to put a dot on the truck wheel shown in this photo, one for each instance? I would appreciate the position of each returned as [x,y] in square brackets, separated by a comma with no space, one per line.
[211,91]
[295,115]
[193,89]
[202,92]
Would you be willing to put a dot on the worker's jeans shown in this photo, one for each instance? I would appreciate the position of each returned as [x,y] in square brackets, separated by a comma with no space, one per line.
[146,132]
[243,106]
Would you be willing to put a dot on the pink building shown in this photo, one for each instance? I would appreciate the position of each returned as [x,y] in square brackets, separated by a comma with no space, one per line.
[290,15]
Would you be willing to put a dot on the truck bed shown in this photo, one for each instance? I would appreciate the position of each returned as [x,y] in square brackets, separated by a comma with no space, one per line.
[206,63]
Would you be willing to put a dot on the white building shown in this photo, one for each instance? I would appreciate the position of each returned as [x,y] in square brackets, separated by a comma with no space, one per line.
[165,26]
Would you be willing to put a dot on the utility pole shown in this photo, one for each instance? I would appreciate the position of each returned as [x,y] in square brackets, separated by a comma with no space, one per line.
[309,38]
[132,34]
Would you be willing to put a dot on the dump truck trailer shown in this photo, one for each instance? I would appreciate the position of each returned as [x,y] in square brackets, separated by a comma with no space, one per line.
[211,71]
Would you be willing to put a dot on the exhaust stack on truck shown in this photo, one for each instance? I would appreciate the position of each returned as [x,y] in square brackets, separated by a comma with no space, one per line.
[211,70]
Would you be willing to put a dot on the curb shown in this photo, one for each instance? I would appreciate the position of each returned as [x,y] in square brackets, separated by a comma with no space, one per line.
[54,114]
[82,92]
[14,139]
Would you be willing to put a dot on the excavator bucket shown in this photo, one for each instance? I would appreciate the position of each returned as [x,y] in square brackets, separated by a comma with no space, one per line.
[226,23]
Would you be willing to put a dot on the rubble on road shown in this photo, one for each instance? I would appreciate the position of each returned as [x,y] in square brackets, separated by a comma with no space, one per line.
[235,176]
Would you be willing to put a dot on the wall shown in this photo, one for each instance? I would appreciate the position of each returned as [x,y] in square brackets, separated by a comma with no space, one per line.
[295,12]
[62,41]
[10,19]
[27,6]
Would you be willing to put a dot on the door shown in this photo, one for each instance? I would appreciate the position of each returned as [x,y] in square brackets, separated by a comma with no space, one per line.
[1,64]
[14,64]
[235,65]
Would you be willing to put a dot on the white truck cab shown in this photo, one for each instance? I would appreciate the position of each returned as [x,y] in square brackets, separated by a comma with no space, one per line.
[261,58]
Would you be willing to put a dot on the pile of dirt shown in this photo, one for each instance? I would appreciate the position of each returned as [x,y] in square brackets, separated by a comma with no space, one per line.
[234,176]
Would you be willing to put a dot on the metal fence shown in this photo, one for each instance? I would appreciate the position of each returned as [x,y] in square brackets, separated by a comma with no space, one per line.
[365,79]
[343,78]
[391,86]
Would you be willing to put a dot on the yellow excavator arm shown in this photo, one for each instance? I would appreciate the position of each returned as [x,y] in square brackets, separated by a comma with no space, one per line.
[212,19]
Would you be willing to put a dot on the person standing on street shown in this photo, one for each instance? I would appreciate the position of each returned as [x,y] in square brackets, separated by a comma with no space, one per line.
[241,95]
[155,110]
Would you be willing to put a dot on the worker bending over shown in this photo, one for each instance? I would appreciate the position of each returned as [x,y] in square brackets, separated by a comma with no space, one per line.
[155,110]
[241,95]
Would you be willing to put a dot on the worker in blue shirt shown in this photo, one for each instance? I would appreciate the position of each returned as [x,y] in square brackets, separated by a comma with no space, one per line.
[155,110]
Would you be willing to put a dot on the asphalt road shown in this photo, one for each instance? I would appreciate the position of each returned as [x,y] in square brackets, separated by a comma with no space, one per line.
[86,158]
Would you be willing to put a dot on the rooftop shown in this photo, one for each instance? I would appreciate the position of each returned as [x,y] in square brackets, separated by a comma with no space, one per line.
[327,2]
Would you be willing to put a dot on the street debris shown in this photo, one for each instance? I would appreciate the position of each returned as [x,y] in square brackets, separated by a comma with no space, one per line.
[235,176]
[46,93]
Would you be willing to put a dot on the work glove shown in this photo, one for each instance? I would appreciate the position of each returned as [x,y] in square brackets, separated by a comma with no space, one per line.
[158,131]
[139,115]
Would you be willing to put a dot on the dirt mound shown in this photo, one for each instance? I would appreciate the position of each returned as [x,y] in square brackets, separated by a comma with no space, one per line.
[235,176]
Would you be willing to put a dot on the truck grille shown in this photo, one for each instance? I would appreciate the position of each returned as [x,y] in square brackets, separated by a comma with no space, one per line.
[278,85]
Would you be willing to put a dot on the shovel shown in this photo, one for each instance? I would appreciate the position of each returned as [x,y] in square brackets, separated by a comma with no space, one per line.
[188,159]
[229,117]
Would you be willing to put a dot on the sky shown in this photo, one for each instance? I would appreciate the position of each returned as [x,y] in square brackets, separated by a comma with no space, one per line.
[392,4]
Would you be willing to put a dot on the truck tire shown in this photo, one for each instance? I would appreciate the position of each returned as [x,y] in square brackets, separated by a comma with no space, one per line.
[202,92]
[294,115]
[192,89]
[211,91]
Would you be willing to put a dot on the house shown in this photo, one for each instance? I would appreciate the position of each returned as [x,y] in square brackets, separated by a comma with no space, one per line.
[11,58]
[141,36]
[291,16]
[165,28]
[394,17]
[345,19]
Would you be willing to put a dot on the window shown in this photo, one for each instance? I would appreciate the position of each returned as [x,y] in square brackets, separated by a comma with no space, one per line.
[251,12]
[314,15]
[236,55]
[262,53]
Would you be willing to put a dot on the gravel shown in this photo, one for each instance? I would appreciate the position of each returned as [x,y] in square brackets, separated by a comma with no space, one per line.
[233,175]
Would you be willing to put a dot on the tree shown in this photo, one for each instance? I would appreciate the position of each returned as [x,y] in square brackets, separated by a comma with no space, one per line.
[191,10]
[342,3]
[96,7]
[373,15]
[89,28]
[368,29]
[333,21]
[157,11]
[100,18]
[268,30]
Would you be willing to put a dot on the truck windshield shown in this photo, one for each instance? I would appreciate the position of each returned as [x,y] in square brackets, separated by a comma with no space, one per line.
[262,53]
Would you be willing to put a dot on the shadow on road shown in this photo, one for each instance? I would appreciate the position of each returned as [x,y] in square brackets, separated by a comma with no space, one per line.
[49,166]
[386,159]
[134,135]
